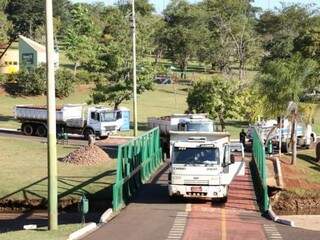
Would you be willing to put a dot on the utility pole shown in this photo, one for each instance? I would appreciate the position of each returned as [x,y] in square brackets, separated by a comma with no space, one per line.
[51,105]
[134,59]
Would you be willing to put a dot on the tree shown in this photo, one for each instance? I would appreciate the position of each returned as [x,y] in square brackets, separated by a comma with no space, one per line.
[25,16]
[113,62]
[80,37]
[280,28]
[181,32]
[5,27]
[142,7]
[233,21]
[282,81]
[217,97]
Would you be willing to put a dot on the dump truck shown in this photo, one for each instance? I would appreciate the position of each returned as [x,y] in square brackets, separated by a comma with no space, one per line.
[269,130]
[70,118]
[203,164]
[180,122]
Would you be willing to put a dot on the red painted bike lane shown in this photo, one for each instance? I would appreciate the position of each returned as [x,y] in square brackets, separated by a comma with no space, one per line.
[238,219]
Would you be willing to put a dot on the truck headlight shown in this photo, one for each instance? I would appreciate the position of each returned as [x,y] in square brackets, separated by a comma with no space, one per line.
[175,177]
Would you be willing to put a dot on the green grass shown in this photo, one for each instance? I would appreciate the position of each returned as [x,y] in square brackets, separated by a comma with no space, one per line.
[316,124]
[42,233]
[23,165]
[309,171]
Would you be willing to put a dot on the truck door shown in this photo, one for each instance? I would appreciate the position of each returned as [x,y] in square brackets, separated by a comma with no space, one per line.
[95,121]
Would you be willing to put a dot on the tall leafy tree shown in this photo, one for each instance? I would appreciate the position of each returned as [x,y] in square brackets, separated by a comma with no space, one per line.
[181,32]
[25,16]
[113,61]
[80,37]
[285,80]
[217,97]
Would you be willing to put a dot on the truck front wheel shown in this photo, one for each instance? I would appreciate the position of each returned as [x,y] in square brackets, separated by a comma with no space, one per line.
[41,131]
[27,129]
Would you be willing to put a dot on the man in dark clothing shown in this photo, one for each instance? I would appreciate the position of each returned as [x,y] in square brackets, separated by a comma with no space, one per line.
[243,136]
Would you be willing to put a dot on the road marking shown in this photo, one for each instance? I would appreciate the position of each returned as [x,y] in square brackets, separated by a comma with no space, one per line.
[272,232]
[188,207]
[179,225]
[223,225]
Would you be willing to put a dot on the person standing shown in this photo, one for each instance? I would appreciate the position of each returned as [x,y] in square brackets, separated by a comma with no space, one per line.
[243,136]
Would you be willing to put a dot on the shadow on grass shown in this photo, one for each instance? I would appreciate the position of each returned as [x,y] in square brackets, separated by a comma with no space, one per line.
[311,160]
[4,118]
[70,189]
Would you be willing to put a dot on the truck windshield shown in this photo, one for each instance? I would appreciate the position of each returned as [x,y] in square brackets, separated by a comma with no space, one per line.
[196,155]
[107,116]
[200,127]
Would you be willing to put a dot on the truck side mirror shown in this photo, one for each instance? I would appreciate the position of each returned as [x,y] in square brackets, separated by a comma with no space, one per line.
[232,159]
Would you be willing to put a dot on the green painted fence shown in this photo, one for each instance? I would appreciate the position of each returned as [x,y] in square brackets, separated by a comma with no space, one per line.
[259,157]
[137,160]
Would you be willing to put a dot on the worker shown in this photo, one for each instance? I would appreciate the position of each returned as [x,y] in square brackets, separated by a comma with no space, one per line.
[243,136]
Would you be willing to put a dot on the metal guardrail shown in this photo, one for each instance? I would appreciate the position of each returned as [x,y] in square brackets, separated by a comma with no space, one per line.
[259,157]
[137,160]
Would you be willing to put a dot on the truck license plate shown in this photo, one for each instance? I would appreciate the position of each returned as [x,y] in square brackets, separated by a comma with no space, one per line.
[196,189]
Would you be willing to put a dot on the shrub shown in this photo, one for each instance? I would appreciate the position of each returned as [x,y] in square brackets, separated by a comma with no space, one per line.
[64,83]
[34,82]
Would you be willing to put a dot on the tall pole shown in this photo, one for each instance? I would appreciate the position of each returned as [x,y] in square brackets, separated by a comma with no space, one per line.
[51,104]
[135,110]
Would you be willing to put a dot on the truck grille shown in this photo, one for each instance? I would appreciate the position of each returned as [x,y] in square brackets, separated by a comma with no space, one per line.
[110,128]
[196,182]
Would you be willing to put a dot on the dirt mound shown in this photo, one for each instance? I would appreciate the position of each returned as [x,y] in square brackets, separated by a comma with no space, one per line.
[288,203]
[87,155]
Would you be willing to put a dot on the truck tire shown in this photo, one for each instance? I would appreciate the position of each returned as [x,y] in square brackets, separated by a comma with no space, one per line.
[27,129]
[41,131]
[87,132]
[224,199]
[286,147]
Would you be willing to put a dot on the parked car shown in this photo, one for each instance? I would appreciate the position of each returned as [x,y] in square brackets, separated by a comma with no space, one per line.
[162,80]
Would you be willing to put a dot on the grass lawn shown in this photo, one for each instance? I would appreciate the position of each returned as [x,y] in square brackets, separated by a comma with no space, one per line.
[164,100]
[42,233]
[23,175]
[304,178]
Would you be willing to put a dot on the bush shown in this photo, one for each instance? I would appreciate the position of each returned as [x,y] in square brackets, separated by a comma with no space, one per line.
[83,76]
[64,83]
[34,82]
[31,82]
[2,79]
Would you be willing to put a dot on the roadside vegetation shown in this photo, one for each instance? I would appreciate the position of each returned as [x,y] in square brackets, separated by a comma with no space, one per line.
[41,233]
[24,173]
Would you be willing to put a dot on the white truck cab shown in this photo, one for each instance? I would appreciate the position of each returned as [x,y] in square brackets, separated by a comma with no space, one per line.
[203,165]
[102,121]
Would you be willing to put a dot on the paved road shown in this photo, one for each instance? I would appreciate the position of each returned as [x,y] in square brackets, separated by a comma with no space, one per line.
[151,216]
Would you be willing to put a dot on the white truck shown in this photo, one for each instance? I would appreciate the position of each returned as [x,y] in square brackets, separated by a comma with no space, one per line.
[180,122]
[269,130]
[203,164]
[71,118]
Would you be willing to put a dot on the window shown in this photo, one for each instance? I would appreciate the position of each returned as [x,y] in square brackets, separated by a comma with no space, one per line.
[10,63]
[15,63]
[6,63]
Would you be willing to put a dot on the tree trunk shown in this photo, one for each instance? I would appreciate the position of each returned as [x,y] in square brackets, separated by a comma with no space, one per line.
[76,65]
[222,123]
[294,138]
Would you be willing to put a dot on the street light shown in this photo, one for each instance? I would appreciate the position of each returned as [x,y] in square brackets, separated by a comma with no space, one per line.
[135,111]
[51,105]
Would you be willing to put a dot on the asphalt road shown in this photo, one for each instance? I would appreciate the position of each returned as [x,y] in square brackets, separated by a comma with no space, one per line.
[151,216]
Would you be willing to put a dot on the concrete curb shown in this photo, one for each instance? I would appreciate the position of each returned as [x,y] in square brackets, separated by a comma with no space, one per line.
[276,218]
[83,231]
[106,216]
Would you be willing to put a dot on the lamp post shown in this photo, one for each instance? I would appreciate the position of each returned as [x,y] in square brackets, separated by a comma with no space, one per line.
[134,59]
[51,105]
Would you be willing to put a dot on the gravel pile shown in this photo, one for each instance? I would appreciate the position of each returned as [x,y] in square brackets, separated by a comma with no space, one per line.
[87,155]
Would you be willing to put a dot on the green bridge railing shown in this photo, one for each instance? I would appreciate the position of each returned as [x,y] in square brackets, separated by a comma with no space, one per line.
[137,160]
[259,157]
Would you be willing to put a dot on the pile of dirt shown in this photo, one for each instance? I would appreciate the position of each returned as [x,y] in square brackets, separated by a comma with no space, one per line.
[288,203]
[87,155]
